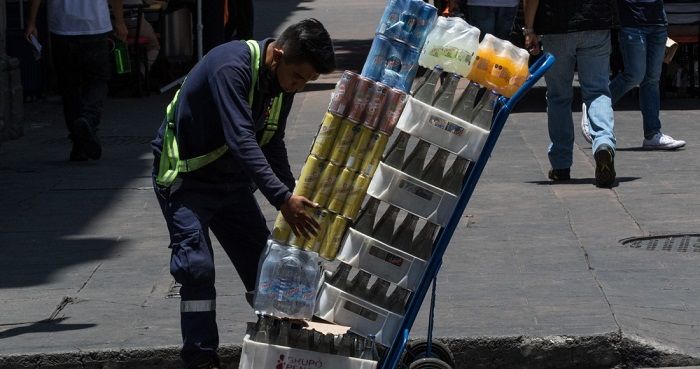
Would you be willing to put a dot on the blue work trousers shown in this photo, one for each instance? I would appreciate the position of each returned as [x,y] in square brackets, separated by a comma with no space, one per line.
[233,215]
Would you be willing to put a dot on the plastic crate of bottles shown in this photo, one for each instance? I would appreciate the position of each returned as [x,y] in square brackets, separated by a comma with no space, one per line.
[382,260]
[255,355]
[442,129]
[411,194]
[364,317]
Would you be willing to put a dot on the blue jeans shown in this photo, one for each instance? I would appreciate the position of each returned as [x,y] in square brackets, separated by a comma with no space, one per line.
[496,20]
[643,55]
[590,50]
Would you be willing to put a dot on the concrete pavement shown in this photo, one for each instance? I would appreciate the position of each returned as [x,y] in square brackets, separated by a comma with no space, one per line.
[535,277]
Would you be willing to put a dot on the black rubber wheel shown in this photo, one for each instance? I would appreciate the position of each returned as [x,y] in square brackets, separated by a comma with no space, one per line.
[418,350]
[429,363]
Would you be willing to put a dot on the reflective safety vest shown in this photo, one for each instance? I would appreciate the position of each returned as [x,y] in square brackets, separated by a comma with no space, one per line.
[171,164]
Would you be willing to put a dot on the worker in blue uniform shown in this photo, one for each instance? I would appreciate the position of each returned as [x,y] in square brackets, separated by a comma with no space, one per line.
[222,138]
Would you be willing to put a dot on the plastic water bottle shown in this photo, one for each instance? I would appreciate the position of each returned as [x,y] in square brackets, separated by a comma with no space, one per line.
[288,275]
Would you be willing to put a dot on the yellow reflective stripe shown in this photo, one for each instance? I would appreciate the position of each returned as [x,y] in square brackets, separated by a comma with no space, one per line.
[189,165]
[272,122]
[197,306]
[254,65]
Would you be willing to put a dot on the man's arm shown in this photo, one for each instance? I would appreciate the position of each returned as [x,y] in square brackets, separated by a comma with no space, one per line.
[120,30]
[276,150]
[30,28]
[529,12]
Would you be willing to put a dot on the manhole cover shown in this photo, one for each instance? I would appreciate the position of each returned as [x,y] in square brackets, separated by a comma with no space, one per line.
[674,242]
[107,140]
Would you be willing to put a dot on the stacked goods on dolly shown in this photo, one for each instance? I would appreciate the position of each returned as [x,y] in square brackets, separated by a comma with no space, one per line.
[382,263]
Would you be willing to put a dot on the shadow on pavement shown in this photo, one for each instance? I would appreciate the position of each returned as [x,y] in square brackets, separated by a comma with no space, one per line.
[578,181]
[44,326]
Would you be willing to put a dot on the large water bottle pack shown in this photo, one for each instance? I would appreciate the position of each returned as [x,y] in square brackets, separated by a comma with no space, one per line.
[381,206]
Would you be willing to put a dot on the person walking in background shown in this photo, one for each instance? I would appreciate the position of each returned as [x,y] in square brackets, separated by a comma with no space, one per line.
[239,19]
[577,33]
[223,136]
[79,31]
[642,39]
[491,16]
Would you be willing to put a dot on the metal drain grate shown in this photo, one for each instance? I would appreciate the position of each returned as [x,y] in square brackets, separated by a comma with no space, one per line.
[107,140]
[674,242]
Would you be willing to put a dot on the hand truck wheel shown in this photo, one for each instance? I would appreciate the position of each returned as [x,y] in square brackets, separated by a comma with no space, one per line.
[419,349]
[429,363]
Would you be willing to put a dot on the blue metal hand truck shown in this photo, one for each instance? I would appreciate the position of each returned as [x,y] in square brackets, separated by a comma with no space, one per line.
[502,110]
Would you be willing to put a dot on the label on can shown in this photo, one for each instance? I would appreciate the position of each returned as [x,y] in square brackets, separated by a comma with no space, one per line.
[324,219]
[281,230]
[363,92]
[341,190]
[358,148]
[354,201]
[375,106]
[394,107]
[330,245]
[342,96]
[325,184]
[309,177]
[377,145]
[342,142]
[323,143]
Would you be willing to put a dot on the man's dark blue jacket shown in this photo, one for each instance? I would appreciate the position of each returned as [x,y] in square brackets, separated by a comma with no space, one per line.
[213,110]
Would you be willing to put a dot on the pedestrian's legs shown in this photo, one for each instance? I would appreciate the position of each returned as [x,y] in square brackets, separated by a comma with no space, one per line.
[241,229]
[559,95]
[649,90]
[187,214]
[505,15]
[67,68]
[95,67]
[633,49]
[483,18]
[593,60]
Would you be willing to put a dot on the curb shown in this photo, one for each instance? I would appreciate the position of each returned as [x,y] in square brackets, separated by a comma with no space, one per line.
[551,352]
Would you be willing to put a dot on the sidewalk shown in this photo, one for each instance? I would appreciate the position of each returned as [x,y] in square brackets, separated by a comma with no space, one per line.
[536,275]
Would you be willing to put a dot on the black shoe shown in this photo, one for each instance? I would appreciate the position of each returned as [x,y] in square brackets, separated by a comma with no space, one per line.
[604,166]
[86,135]
[559,174]
[77,153]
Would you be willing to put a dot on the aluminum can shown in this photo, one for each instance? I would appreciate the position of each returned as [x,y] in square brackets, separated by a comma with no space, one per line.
[330,245]
[409,67]
[341,98]
[358,148]
[281,230]
[341,145]
[323,218]
[325,184]
[376,60]
[389,23]
[323,143]
[425,18]
[310,173]
[375,107]
[376,147]
[296,241]
[395,102]
[363,93]
[354,201]
[341,190]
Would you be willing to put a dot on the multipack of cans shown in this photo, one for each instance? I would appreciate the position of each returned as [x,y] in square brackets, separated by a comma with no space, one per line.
[345,153]
[393,58]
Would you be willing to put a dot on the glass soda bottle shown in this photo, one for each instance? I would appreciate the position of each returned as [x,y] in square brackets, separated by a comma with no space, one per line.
[339,279]
[415,160]
[377,293]
[403,237]
[422,246]
[483,112]
[397,300]
[446,95]
[452,182]
[397,151]
[464,108]
[435,168]
[426,92]
[385,227]
[365,221]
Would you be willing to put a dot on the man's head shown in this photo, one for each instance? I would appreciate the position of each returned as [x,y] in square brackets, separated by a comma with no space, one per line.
[301,53]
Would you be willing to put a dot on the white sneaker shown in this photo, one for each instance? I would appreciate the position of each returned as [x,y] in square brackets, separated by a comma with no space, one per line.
[585,126]
[661,141]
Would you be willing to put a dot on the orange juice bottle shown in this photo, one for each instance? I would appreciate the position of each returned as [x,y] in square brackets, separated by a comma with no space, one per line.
[520,74]
[483,61]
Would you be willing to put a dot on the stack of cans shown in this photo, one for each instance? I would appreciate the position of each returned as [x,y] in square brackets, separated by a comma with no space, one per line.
[347,149]
[393,58]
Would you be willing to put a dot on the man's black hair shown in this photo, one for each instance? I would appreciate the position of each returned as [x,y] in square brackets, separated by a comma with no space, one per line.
[308,41]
